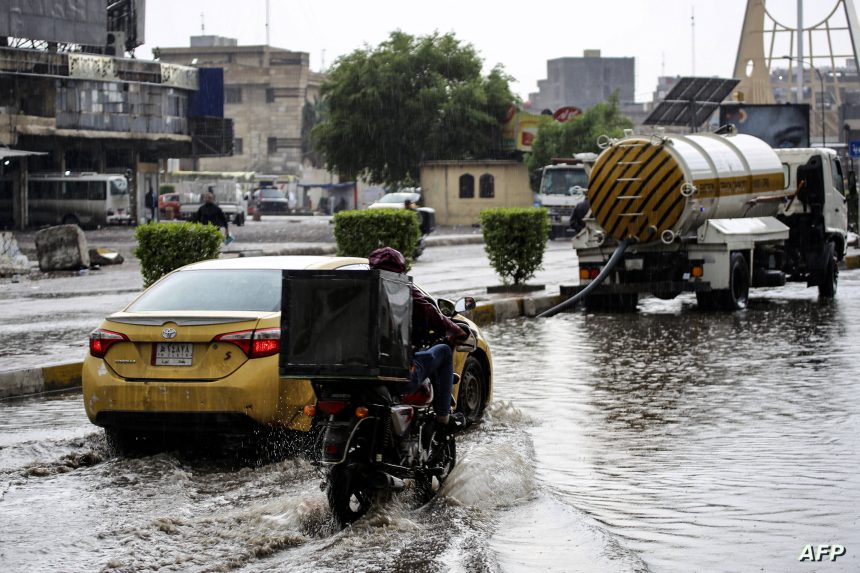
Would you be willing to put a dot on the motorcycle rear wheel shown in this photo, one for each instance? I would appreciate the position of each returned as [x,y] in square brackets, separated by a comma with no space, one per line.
[444,456]
[349,495]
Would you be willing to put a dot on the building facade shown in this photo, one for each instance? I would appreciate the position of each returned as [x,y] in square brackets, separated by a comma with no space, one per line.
[78,112]
[584,82]
[265,89]
[460,190]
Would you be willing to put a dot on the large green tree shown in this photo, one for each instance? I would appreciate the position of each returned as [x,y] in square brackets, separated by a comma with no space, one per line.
[411,99]
[579,135]
[312,112]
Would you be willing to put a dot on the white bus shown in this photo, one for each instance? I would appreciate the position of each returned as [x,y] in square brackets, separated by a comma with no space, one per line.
[85,199]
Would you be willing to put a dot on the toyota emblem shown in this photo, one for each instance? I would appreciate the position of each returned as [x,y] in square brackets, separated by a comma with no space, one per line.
[168,333]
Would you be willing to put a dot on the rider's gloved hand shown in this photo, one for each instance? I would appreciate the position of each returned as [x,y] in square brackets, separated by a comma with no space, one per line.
[455,337]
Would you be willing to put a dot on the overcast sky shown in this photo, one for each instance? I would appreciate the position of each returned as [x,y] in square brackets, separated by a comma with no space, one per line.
[521,36]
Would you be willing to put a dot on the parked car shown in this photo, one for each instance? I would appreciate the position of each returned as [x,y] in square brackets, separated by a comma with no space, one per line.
[270,201]
[188,205]
[397,200]
[198,352]
[168,201]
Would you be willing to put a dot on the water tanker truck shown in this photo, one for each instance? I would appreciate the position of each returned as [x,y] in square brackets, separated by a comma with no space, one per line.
[709,214]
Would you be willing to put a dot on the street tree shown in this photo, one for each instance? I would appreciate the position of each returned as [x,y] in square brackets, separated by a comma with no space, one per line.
[578,135]
[411,99]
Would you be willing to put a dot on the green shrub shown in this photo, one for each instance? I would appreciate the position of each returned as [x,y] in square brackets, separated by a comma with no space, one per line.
[163,247]
[166,188]
[358,233]
[515,240]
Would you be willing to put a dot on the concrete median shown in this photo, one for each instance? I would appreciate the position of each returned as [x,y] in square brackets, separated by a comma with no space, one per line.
[17,383]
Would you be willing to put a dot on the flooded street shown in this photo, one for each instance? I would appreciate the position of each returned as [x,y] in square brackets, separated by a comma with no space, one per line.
[668,440]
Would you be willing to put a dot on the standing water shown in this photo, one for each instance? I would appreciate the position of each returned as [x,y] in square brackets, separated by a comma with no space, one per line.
[667,440]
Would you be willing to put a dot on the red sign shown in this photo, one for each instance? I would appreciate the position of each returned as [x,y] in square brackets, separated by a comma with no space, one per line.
[567,113]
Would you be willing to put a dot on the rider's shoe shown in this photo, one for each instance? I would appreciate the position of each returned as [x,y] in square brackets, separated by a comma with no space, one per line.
[456,423]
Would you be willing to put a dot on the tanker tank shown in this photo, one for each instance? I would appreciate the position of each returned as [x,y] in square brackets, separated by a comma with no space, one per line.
[644,189]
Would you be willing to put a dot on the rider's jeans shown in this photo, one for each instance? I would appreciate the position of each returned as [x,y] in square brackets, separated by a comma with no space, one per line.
[436,363]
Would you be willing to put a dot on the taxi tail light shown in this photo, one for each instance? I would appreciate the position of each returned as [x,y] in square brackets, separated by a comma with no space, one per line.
[254,343]
[101,340]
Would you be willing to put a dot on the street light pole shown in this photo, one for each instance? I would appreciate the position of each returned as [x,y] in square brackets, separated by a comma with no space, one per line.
[821,102]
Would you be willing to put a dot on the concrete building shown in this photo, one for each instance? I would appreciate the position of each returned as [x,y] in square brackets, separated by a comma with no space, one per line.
[584,82]
[71,102]
[265,89]
[93,113]
[460,190]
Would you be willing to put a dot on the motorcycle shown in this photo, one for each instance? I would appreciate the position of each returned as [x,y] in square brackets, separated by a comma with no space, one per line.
[374,441]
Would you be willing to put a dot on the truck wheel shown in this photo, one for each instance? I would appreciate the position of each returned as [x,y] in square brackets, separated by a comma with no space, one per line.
[827,286]
[240,219]
[737,296]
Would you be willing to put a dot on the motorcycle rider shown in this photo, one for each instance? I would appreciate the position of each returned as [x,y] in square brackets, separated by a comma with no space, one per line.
[436,362]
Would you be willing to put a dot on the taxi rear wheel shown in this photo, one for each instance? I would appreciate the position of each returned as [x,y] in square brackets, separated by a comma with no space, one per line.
[470,398]
[122,441]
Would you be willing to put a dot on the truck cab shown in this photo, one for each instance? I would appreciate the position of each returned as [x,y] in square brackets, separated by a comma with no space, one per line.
[563,185]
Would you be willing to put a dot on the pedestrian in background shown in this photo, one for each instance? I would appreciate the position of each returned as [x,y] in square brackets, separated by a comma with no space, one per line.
[211,214]
[150,201]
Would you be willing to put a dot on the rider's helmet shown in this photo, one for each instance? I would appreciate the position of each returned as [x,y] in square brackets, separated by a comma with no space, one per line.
[387,259]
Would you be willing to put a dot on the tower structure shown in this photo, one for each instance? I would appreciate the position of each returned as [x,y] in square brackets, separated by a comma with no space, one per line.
[814,61]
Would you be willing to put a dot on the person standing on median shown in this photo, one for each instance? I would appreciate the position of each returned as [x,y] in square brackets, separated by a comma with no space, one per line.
[211,214]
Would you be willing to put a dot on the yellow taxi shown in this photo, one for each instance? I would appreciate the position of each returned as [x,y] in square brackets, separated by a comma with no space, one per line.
[198,352]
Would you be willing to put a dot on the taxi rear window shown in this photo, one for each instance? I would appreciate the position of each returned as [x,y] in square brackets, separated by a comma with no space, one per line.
[214,289]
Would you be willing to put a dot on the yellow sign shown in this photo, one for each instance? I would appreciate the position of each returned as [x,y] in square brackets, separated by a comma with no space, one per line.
[520,129]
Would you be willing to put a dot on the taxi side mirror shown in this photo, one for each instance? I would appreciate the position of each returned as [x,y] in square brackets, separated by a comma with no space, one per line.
[465,304]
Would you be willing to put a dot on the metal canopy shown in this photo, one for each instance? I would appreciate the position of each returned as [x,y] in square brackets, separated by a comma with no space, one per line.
[691,102]
[6,152]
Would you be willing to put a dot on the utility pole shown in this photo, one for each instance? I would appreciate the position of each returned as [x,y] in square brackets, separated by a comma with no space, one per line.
[693,39]
[800,51]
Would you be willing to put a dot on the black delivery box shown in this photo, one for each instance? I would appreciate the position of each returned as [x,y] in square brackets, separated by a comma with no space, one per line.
[346,324]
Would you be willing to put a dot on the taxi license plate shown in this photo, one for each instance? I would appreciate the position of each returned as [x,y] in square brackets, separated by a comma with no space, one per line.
[173,353]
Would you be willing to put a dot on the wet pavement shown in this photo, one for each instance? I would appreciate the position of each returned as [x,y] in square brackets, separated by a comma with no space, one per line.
[667,440]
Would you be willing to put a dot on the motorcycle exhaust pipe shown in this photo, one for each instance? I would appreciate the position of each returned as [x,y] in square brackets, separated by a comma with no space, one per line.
[384,480]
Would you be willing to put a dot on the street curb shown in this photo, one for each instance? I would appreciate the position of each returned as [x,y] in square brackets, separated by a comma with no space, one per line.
[17,383]
[507,308]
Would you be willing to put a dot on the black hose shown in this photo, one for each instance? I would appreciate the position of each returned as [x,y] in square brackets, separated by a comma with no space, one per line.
[610,266]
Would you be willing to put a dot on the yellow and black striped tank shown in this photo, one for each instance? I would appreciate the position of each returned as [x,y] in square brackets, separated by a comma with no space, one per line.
[641,187]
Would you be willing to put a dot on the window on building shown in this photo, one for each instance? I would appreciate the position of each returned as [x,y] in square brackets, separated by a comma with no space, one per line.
[237,146]
[276,144]
[232,94]
[467,186]
[487,186]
